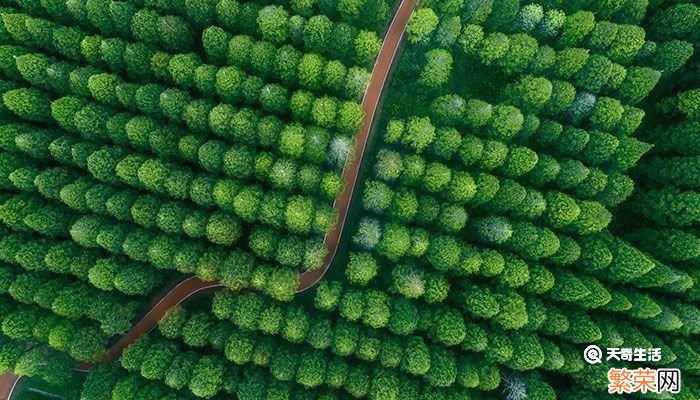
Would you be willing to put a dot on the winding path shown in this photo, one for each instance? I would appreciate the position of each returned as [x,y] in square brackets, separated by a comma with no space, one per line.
[192,286]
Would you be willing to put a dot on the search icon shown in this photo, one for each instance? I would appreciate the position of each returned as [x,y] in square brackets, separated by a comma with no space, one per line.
[593,354]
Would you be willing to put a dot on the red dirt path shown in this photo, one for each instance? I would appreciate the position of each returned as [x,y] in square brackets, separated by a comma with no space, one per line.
[8,381]
[191,286]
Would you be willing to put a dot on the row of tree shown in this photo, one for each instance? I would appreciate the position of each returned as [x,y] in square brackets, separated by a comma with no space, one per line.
[573,213]
[262,59]
[163,251]
[288,65]
[588,174]
[589,148]
[591,74]
[661,216]
[109,381]
[250,312]
[208,375]
[73,300]
[112,164]
[199,115]
[272,23]
[66,258]
[82,339]
[239,125]
[244,348]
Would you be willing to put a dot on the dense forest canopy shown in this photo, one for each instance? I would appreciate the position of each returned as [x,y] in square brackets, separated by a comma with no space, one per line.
[531,187]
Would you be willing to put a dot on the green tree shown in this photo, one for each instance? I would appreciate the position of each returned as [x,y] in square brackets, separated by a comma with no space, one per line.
[448,109]
[448,31]
[443,367]
[528,17]
[350,117]
[273,23]
[528,353]
[228,83]
[508,120]
[376,310]
[28,104]
[449,327]
[207,377]
[395,241]
[423,23]
[324,111]
[175,33]
[310,71]
[361,268]
[274,98]
[419,133]
[638,82]
[417,357]
[317,33]
[367,46]
[156,360]
[312,369]
[298,214]
[436,70]
[529,93]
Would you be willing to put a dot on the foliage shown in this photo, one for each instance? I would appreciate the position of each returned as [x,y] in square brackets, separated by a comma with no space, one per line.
[531,188]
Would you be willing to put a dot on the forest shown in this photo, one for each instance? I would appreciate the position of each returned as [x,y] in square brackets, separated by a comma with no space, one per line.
[527,185]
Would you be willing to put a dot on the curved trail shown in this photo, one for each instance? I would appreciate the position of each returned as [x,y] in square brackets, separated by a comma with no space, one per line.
[370,105]
[191,286]
[8,382]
